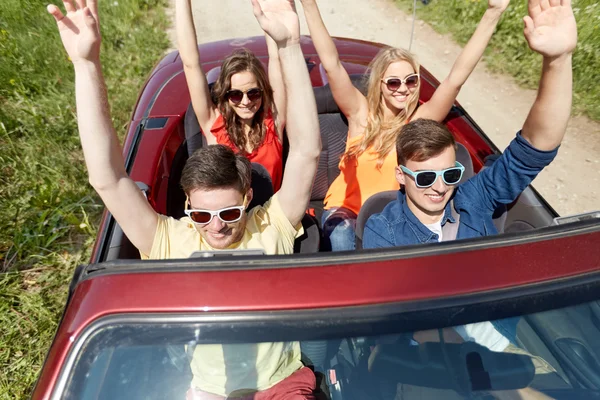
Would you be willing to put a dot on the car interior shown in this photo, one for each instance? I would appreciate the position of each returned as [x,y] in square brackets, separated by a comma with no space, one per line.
[528,212]
[151,360]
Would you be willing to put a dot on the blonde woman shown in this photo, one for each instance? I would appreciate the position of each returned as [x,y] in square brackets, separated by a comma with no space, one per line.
[368,164]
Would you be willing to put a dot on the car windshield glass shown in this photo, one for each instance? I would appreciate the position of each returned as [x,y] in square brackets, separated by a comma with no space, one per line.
[553,354]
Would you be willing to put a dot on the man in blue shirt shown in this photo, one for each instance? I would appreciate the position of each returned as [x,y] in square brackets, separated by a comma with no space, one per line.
[431,208]
[427,168]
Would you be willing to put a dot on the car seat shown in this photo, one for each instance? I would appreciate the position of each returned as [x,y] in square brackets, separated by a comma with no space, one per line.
[334,132]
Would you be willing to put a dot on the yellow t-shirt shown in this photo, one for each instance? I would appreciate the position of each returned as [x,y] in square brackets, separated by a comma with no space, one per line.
[360,179]
[222,369]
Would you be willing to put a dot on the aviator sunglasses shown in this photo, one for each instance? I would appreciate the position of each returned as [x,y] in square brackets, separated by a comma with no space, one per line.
[228,214]
[236,96]
[425,179]
[393,84]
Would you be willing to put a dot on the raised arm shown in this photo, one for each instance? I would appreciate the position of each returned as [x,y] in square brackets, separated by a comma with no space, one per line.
[281,23]
[441,102]
[550,30]
[196,80]
[276,81]
[348,98]
[80,34]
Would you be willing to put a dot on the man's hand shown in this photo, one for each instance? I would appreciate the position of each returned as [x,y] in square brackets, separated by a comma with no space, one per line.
[550,27]
[279,20]
[79,29]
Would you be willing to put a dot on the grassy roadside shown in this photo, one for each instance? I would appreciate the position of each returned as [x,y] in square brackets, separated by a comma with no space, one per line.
[508,51]
[48,212]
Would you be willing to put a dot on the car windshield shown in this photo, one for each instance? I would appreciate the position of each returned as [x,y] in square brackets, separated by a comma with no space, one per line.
[552,354]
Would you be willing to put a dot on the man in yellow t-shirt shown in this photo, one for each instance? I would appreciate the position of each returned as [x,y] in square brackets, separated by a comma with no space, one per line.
[217,183]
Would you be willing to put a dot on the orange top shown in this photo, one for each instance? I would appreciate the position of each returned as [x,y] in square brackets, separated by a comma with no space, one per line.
[269,154]
[360,178]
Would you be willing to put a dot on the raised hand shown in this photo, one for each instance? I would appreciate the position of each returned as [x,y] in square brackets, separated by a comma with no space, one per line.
[499,5]
[550,27]
[79,29]
[279,20]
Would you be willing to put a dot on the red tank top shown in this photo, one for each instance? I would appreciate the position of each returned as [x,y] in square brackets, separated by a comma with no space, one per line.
[269,153]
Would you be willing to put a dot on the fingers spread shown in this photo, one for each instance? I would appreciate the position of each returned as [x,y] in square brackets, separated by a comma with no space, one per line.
[69,6]
[90,21]
[80,4]
[93,5]
[257,10]
[529,27]
[533,6]
[55,11]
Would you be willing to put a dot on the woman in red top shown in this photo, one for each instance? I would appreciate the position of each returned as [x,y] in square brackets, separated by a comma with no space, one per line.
[249,114]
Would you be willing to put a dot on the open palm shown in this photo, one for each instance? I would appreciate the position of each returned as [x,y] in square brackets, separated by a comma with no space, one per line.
[278,18]
[550,27]
[79,29]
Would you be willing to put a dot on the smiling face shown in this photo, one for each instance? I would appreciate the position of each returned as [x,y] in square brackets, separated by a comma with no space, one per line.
[245,81]
[428,203]
[218,234]
[397,100]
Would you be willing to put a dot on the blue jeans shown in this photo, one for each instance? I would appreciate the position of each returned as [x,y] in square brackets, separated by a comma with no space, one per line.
[339,225]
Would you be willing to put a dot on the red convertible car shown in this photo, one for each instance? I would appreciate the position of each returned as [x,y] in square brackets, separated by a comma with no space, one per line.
[130,328]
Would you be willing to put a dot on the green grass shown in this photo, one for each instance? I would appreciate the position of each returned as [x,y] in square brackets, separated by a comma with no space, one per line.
[508,51]
[48,211]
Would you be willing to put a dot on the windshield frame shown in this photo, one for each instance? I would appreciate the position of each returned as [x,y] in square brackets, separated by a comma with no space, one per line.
[369,320]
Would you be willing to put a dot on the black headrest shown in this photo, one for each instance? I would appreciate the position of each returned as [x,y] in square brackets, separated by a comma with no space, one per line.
[463,157]
[262,186]
[309,242]
[374,204]
[324,98]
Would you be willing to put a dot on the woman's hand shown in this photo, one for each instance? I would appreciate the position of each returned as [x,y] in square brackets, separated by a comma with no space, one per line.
[79,29]
[279,20]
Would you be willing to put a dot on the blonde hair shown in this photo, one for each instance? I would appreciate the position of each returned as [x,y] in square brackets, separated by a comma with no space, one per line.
[379,134]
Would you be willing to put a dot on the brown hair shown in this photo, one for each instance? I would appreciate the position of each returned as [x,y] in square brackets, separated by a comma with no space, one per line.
[214,167]
[422,139]
[239,61]
[379,134]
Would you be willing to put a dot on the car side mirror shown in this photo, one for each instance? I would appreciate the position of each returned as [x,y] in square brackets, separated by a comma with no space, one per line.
[464,367]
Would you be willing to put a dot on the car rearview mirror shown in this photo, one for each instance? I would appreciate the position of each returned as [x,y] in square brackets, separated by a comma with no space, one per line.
[464,367]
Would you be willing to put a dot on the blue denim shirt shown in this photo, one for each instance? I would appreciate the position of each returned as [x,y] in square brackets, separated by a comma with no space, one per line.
[475,200]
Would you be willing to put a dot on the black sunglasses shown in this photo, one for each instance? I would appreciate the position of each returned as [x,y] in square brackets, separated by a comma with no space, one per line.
[236,96]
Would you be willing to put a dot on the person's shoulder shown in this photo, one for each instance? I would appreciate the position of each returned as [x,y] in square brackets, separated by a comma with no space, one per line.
[182,225]
[270,212]
[392,212]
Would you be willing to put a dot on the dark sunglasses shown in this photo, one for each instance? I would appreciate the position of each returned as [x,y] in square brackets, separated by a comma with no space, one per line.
[425,179]
[393,84]
[236,96]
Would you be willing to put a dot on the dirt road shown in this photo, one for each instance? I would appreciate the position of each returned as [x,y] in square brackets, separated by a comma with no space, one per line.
[571,184]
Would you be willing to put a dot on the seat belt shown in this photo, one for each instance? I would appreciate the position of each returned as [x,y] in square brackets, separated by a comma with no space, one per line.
[450,229]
